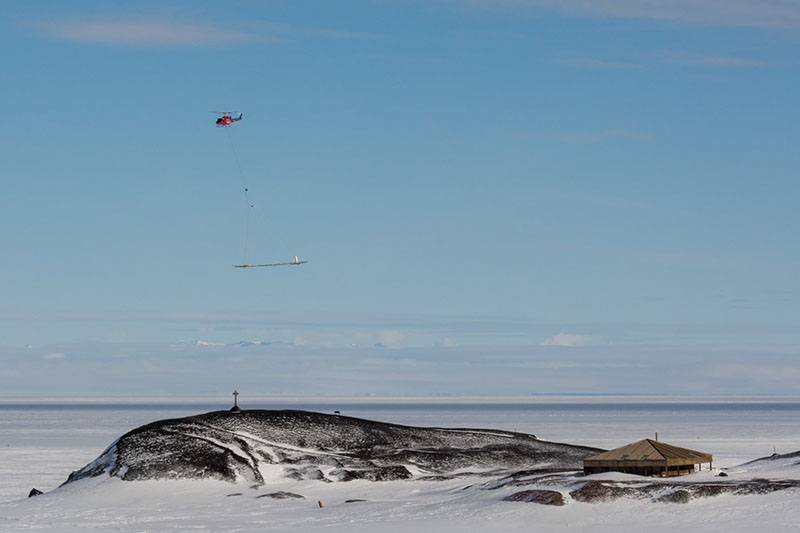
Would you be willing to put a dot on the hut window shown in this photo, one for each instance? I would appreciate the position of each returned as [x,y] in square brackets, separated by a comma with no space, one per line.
[645,456]
[624,457]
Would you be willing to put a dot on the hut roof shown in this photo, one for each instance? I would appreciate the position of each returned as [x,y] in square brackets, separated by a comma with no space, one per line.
[651,450]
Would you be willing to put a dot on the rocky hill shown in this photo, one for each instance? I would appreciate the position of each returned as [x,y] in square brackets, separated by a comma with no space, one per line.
[244,445]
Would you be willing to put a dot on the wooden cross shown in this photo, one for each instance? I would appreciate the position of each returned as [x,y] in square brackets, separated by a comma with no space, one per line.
[235,398]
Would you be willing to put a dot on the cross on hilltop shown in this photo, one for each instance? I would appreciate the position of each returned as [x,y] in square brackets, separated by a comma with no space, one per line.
[236,408]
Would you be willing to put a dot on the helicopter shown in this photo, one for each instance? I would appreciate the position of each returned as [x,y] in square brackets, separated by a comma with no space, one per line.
[227,119]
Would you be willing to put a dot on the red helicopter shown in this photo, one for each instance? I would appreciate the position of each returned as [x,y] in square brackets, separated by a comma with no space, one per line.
[227,119]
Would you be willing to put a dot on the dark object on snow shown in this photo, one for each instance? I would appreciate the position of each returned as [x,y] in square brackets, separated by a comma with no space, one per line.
[355,500]
[544,497]
[722,474]
[34,492]
[281,495]
[233,494]
[233,446]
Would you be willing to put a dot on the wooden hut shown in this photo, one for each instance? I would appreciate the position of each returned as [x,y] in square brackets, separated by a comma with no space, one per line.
[647,458]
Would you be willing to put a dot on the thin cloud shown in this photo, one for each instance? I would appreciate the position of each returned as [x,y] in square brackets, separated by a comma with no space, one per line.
[588,138]
[596,63]
[145,33]
[208,343]
[390,337]
[447,342]
[597,366]
[674,58]
[328,33]
[55,355]
[780,14]
[565,339]
[683,58]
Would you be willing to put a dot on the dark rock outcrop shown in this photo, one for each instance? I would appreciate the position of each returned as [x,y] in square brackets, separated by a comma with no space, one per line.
[599,491]
[544,497]
[281,495]
[34,492]
[596,491]
[315,473]
[233,446]
[384,473]
[678,496]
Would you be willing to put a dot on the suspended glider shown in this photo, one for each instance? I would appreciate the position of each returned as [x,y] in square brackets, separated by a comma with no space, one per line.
[295,262]
[227,119]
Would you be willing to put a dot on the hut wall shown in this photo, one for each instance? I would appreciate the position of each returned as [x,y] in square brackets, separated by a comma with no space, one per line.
[641,469]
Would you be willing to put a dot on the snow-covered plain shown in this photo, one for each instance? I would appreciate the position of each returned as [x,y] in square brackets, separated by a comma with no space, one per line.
[42,442]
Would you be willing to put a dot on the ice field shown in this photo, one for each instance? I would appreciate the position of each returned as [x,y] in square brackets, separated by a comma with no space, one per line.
[44,440]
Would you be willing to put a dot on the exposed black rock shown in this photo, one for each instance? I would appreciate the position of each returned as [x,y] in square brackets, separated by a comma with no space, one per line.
[438,477]
[281,495]
[294,473]
[316,473]
[385,473]
[710,489]
[355,500]
[597,491]
[233,446]
[678,496]
[234,494]
[544,497]
[34,492]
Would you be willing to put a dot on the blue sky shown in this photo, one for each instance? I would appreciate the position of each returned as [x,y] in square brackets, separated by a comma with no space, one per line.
[465,177]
